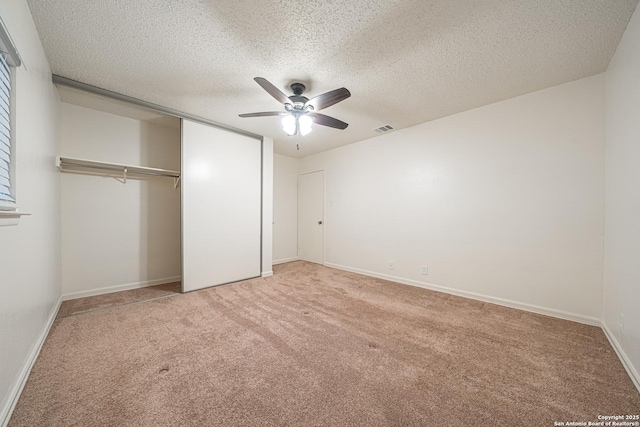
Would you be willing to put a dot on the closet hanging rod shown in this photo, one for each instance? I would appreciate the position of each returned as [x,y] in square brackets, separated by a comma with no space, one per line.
[61,162]
[130,169]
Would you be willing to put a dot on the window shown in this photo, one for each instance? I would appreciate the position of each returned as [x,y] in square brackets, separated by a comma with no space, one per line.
[9,59]
[7,197]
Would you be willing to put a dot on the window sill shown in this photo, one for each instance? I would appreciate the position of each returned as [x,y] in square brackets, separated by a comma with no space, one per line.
[10,217]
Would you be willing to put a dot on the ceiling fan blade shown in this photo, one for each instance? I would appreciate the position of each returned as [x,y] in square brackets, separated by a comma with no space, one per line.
[264,114]
[324,120]
[273,91]
[328,99]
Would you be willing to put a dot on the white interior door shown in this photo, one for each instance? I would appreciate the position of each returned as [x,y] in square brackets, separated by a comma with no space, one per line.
[311,217]
[221,195]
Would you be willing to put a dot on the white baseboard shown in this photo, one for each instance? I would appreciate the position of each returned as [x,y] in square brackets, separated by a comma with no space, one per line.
[624,359]
[282,261]
[23,375]
[480,297]
[118,288]
[266,274]
[626,362]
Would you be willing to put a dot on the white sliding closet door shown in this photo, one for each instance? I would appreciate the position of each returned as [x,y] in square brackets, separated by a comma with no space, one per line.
[221,195]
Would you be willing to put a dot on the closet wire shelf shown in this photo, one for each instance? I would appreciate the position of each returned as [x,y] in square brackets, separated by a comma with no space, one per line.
[68,164]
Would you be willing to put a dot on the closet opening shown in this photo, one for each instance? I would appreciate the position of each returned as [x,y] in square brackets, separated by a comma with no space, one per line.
[157,201]
[121,193]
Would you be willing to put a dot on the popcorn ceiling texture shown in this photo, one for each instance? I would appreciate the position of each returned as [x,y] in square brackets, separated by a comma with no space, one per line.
[405,62]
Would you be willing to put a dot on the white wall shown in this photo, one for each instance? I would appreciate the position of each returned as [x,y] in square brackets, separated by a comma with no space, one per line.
[622,207]
[502,202]
[29,251]
[117,236]
[285,208]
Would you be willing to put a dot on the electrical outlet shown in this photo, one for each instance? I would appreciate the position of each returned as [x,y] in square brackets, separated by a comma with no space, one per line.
[621,326]
[425,270]
[391,265]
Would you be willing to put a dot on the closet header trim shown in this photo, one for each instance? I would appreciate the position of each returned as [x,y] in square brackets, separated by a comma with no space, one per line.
[63,81]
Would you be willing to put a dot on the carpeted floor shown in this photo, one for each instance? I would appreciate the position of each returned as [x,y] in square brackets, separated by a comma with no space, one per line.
[313,346]
[99,302]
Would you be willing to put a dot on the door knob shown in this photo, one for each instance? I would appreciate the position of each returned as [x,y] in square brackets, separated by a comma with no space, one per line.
[320,222]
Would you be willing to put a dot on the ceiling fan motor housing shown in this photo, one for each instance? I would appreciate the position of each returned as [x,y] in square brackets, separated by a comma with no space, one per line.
[297,88]
[297,98]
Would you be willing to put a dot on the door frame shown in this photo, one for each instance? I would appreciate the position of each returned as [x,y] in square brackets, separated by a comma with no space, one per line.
[324,213]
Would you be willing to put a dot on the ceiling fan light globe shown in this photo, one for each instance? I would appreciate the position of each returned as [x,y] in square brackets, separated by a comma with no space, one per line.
[289,124]
[305,124]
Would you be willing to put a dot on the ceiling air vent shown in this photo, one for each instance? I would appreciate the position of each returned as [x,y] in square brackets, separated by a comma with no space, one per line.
[383,129]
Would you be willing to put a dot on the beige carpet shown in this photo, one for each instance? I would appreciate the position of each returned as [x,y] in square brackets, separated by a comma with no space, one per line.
[313,346]
[99,302]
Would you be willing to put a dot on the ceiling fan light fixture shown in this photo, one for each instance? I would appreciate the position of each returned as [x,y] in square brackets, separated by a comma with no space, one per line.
[305,124]
[300,112]
[289,124]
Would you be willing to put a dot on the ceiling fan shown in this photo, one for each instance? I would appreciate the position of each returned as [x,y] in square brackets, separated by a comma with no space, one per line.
[300,111]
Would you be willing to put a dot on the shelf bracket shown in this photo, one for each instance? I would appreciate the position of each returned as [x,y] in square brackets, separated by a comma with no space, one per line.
[176,180]
[124,175]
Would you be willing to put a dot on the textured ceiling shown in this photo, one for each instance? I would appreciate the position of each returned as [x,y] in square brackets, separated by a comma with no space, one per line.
[404,61]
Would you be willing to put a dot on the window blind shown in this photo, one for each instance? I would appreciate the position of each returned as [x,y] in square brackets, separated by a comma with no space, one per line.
[6,190]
